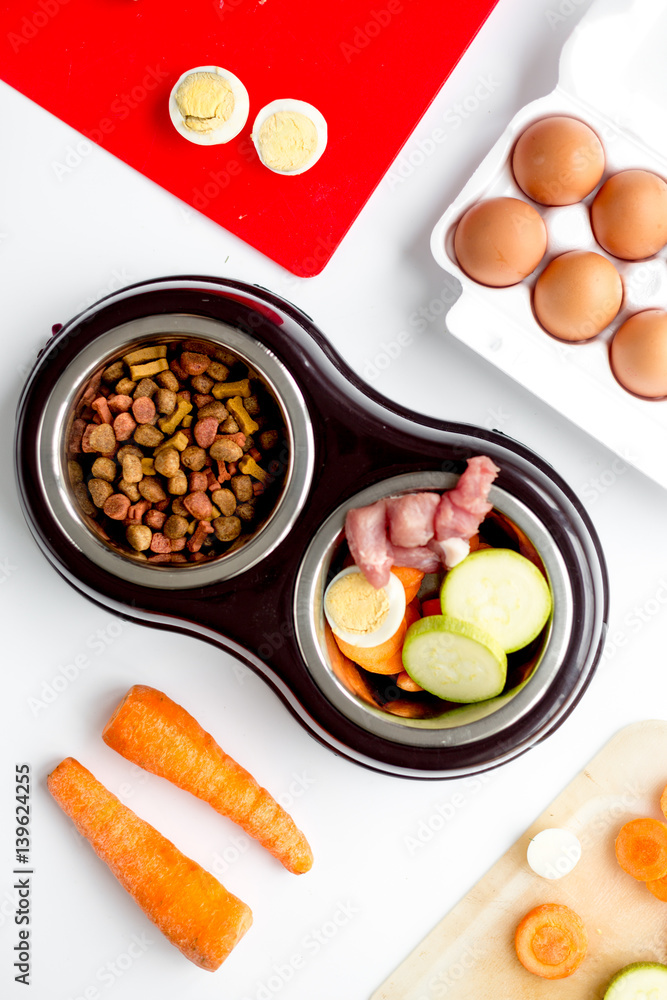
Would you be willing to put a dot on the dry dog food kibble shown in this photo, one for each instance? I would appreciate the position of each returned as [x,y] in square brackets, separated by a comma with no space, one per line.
[177,452]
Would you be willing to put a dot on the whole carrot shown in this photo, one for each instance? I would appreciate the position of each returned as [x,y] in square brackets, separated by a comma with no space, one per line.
[154,732]
[191,908]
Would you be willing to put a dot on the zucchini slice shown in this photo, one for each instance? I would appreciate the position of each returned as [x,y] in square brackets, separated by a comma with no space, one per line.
[500,592]
[639,981]
[454,660]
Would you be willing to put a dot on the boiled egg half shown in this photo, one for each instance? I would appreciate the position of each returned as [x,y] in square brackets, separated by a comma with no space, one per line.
[209,105]
[361,614]
[289,136]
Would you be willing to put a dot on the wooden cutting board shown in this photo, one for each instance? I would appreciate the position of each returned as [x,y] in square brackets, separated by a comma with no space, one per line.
[470,954]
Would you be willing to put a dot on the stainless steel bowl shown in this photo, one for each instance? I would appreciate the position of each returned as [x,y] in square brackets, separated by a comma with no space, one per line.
[459,726]
[59,412]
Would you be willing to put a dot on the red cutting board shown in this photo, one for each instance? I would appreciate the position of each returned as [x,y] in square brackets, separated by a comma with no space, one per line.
[106,67]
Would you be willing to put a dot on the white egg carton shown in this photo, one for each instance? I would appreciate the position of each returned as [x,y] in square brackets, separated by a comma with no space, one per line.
[612,76]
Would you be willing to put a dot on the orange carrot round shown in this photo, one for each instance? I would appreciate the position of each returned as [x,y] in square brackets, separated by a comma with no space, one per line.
[380,659]
[641,848]
[551,941]
[413,611]
[658,887]
[405,682]
[191,908]
[346,670]
[154,732]
[410,578]
[386,657]
[407,709]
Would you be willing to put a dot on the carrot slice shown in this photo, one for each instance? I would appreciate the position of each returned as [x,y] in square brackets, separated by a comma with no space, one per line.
[387,657]
[393,664]
[641,848]
[346,670]
[407,709]
[410,578]
[154,732]
[551,941]
[191,908]
[405,682]
[413,611]
[373,658]
[658,887]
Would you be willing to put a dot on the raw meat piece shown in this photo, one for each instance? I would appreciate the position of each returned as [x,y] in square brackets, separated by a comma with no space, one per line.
[462,509]
[411,519]
[366,532]
[417,556]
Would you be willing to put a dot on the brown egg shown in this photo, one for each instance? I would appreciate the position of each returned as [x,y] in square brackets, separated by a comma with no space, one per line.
[498,242]
[577,295]
[638,354]
[558,161]
[629,214]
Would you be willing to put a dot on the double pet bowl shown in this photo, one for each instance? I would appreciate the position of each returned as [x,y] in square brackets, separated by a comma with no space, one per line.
[347,446]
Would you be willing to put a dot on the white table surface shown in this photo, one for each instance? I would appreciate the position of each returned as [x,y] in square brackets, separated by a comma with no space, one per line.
[379,882]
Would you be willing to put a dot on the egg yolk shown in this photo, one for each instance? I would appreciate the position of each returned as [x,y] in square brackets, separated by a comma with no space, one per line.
[287,140]
[205,100]
[356,606]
